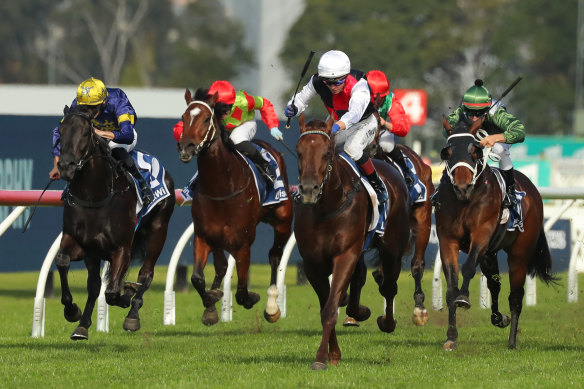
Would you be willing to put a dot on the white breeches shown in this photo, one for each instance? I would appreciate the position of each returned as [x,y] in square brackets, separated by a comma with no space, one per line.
[387,141]
[502,150]
[354,139]
[244,132]
[130,147]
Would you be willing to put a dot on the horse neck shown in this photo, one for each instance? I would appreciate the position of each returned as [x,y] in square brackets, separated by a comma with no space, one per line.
[333,191]
[95,179]
[220,168]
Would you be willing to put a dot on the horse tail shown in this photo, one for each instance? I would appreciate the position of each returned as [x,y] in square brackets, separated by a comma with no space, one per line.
[541,262]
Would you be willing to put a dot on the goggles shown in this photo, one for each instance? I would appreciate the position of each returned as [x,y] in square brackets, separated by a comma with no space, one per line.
[475,113]
[336,82]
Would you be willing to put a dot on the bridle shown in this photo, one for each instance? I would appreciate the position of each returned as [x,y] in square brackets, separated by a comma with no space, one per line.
[329,164]
[478,168]
[211,133]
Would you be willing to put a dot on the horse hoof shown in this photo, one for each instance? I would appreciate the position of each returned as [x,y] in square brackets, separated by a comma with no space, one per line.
[80,333]
[381,323]
[214,295]
[462,301]
[449,345]
[131,325]
[318,366]
[350,322]
[272,318]
[500,320]
[73,316]
[420,317]
[210,316]
[252,299]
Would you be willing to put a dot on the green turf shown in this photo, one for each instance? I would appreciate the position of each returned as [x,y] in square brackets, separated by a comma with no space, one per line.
[251,353]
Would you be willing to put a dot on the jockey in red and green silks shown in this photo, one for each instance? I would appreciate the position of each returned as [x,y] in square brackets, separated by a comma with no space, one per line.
[239,120]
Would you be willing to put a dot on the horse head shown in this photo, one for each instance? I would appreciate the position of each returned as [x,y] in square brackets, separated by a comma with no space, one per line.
[200,125]
[315,150]
[76,137]
[463,156]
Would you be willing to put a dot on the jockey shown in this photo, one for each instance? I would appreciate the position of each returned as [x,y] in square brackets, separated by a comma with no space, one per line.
[346,96]
[115,120]
[392,118]
[503,130]
[236,111]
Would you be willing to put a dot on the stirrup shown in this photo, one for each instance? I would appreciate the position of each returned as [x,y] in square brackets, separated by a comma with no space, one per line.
[381,193]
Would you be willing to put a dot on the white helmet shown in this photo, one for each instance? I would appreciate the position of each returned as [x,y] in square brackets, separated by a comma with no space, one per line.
[334,64]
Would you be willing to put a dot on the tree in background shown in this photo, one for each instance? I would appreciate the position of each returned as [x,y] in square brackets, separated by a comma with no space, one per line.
[123,42]
[443,45]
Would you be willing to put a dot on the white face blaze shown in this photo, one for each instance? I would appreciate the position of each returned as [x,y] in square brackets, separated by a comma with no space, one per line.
[193,113]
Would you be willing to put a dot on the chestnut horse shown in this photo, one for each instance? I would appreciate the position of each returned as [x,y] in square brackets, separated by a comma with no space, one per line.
[99,221]
[421,224]
[226,208]
[469,211]
[331,223]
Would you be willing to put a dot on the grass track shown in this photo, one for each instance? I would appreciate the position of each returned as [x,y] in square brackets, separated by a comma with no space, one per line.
[251,353]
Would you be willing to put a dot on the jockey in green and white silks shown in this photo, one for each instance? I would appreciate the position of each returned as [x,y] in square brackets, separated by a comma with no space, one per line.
[503,129]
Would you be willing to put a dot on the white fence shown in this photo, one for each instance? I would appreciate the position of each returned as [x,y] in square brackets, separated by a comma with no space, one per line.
[25,198]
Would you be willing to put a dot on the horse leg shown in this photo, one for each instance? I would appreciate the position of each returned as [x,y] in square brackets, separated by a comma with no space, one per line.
[282,233]
[449,256]
[201,253]
[517,276]
[71,310]
[490,269]
[93,289]
[391,265]
[243,296]
[220,264]
[422,216]
[120,262]
[354,310]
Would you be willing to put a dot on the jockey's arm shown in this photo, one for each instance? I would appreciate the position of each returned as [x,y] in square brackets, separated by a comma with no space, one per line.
[304,96]
[360,98]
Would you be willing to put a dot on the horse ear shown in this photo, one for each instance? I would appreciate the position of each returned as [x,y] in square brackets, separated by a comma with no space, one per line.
[446,125]
[66,110]
[213,99]
[329,123]
[476,125]
[188,97]
[302,122]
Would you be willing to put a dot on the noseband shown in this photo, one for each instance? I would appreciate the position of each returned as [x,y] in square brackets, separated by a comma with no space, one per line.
[476,170]
[329,164]
[211,133]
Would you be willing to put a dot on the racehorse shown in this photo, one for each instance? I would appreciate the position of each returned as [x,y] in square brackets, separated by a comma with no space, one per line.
[99,221]
[226,208]
[421,224]
[469,214]
[331,223]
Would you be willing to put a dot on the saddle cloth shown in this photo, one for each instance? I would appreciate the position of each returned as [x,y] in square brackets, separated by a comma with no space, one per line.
[514,219]
[418,191]
[269,193]
[154,173]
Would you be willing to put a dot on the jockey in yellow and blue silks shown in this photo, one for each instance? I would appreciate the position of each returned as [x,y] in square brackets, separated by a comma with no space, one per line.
[236,111]
[347,97]
[114,120]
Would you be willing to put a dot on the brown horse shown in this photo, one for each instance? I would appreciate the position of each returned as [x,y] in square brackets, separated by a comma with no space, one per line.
[421,224]
[331,223]
[469,218]
[226,208]
[99,221]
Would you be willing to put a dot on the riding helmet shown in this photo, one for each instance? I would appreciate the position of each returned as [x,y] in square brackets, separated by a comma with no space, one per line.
[334,64]
[378,83]
[91,92]
[225,90]
[477,97]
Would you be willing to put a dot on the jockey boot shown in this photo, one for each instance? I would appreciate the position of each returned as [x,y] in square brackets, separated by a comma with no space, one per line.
[368,169]
[443,181]
[397,157]
[510,200]
[250,151]
[123,156]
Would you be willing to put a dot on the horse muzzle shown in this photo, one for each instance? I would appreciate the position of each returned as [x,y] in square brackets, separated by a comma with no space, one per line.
[67,169]
[309,193]
[463,191]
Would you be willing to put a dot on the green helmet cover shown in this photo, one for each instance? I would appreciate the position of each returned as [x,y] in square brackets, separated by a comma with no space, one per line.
[477,97]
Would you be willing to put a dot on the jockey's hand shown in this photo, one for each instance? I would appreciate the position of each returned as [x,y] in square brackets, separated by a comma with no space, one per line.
[336,128]
[276,133]
[290,111]
[490,140]
[104,134]
[54,174]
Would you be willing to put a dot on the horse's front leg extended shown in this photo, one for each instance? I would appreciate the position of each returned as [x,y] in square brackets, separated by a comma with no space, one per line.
[478,248]
[354,308]
[422,216]
[449,256]
[68,251]
[282,233]
[490,269]
[243,296]
[220,263]
[201,252]
[391,265]
[93,289]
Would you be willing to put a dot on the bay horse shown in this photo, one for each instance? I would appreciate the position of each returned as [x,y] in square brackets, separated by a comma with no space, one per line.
[331,222]
[469,210]
[99,222]
[226,208]
[420,224]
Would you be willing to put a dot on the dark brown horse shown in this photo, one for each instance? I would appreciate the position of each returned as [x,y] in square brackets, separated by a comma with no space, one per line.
[331,223]
[421,224]
[226,208]
[469,218]
[99,221]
